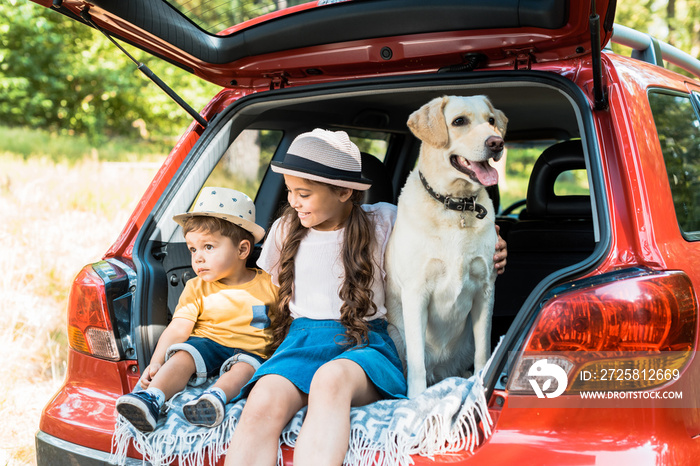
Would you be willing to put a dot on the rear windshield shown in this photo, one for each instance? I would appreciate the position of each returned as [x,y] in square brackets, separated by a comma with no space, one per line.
[215,16]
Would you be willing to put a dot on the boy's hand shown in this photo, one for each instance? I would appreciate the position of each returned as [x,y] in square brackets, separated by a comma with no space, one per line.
[499,259]
[148,374]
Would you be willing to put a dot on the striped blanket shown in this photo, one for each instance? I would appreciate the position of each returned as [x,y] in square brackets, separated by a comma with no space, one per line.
[450,416]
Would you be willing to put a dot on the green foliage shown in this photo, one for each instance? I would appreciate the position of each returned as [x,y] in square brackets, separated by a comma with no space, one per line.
[672,21]
[60,75]
[520,158]
[64,77]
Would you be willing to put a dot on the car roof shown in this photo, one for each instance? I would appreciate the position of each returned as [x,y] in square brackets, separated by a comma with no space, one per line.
[330,39]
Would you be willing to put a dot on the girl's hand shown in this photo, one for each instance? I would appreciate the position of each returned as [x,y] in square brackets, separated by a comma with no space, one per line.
[148,374]
[499,259]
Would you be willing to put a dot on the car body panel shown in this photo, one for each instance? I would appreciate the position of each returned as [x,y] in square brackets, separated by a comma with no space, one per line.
[85,403]
[657,240]
[588,436]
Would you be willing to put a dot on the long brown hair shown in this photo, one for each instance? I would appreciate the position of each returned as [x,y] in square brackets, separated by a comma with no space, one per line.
[356,291]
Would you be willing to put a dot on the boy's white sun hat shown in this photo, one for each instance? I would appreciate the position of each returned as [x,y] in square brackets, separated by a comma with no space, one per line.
[325,156]
[226,204]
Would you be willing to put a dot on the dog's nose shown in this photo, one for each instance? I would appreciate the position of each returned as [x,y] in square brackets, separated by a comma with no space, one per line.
[495,143]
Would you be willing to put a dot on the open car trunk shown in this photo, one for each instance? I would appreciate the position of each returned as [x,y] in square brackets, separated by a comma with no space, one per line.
[555,239]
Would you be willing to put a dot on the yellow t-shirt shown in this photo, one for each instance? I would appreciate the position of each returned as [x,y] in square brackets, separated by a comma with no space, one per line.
[236,317]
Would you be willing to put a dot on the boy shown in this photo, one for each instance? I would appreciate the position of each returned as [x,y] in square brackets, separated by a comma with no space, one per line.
[221,317]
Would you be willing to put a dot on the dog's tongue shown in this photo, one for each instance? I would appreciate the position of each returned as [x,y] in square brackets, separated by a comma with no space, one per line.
[485,173]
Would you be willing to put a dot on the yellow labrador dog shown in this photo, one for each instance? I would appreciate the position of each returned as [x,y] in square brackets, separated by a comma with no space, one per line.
[439,260]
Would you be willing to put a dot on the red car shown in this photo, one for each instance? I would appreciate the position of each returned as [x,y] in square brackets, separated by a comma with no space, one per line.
[598,305]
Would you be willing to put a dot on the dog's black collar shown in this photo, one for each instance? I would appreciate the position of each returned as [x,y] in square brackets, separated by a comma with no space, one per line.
[461,204]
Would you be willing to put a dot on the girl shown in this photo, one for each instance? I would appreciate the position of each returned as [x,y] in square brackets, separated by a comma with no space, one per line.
[326,253]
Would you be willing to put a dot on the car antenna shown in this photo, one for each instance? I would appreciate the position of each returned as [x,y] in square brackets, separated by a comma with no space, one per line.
[149,74]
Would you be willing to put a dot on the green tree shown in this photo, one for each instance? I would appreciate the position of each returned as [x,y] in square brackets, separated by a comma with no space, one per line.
[60,75]
[674,21]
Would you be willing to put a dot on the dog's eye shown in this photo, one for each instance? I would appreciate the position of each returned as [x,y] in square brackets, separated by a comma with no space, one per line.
[492,121]
[461,121]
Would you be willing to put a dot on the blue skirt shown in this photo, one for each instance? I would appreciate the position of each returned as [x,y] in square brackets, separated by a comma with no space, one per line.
[312,343]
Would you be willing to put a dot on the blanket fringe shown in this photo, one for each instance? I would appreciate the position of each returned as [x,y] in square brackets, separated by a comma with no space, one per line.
[439,434]
[163,447]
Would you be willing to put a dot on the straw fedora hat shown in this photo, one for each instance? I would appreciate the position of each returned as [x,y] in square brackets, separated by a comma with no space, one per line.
[226,204]
[326,156]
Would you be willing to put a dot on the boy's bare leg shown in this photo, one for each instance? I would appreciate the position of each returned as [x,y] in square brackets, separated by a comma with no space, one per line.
[272,402]
[234,379]
[325,434]
[174,375]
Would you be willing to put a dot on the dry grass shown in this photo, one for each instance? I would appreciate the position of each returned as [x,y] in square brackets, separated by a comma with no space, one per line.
[54,218]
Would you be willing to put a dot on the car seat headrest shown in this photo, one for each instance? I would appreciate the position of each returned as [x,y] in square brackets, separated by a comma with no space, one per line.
[382,189]
[542,202]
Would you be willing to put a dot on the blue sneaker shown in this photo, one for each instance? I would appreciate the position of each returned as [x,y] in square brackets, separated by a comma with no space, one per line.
[141,409]
[207,411]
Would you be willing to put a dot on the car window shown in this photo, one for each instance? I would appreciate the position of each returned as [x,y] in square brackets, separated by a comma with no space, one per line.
[245,161]
[572,183]
[679,130]
[372,142]
[515,167]
[215,15]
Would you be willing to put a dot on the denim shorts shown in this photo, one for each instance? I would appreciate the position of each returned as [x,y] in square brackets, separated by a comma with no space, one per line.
[312,343]
[209,357]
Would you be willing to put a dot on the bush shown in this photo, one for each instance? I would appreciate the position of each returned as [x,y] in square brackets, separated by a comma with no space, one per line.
[65,77]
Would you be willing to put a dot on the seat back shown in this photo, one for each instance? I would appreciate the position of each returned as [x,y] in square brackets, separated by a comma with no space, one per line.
[542,202]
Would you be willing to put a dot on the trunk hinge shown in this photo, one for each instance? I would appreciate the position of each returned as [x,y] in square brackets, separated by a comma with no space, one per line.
[149,74]
[522,59]
[277,80]
[600,96]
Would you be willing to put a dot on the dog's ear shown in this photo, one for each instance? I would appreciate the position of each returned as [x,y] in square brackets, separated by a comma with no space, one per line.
[501,119]
[428,123]
[501,122]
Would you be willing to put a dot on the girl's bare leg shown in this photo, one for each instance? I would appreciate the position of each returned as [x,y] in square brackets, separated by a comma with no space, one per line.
[272,402]
[325,434]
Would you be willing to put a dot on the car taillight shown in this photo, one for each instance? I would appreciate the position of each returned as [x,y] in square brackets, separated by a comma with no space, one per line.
[624,330]
[89,326]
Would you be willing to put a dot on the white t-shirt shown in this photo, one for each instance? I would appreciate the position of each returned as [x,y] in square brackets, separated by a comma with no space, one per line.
[318,267]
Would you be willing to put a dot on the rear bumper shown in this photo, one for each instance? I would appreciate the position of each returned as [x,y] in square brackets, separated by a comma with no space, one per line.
[52,451]
[77,424]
